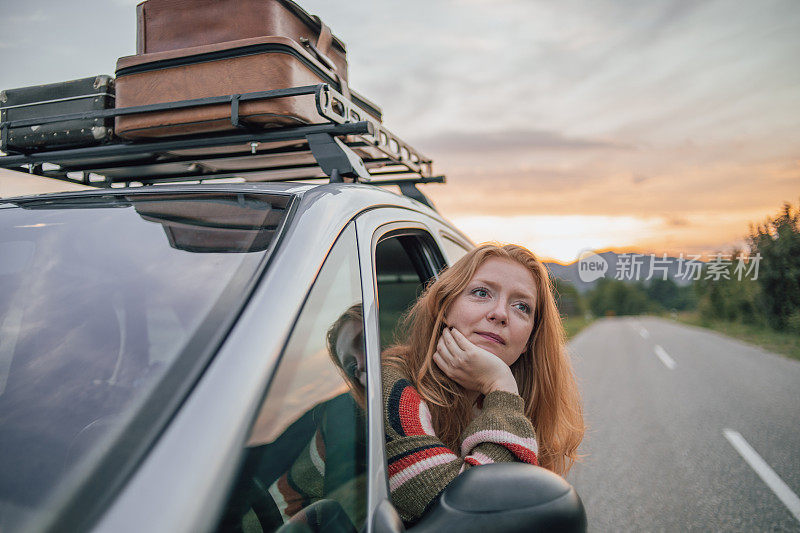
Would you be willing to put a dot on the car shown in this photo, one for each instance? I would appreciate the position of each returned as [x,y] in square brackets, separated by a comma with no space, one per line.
[165,359]
[180,356]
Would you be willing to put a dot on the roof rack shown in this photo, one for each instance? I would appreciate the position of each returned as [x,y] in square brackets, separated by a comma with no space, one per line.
[351,145]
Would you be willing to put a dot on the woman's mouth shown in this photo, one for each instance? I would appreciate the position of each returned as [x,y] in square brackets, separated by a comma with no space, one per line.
[492,337]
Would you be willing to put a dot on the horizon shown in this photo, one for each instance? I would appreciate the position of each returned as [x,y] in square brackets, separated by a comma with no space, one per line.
[564,256]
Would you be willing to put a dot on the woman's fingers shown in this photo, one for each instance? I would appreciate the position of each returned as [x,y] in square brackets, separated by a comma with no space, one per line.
[444,352]
[439,360]
[451,342]
[449,362]
[443,348]
[446,347]
[443,364]
[461,341]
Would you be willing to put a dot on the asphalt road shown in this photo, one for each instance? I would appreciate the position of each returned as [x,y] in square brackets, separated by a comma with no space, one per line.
[657,454]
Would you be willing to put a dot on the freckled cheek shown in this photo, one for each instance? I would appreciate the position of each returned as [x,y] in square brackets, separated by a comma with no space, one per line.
[469,313]
[522,332]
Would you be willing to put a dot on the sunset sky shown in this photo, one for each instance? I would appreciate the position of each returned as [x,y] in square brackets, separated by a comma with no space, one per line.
[659,126]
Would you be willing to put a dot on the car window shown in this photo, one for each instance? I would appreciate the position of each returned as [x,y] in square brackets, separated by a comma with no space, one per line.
[305,458]
[403,265]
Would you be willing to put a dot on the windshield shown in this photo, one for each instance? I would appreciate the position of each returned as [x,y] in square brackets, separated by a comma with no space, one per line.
[99,295]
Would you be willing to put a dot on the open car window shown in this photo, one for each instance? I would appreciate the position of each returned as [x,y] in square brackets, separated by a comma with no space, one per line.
[405,262]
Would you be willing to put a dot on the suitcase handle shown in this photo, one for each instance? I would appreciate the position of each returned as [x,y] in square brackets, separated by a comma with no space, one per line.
[325,60]
[324,42]
[323,46]
[322,58]
[325,38]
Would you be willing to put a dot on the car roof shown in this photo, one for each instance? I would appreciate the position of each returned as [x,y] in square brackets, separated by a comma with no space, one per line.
[360,197]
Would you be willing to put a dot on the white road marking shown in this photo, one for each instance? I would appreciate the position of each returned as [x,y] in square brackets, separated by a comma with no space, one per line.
[668,361]
[643,332]
[765,472]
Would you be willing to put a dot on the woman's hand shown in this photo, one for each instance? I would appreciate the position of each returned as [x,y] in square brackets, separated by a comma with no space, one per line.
[471,366]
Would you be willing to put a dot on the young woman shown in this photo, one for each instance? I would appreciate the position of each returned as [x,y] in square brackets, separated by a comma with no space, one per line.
[483,377]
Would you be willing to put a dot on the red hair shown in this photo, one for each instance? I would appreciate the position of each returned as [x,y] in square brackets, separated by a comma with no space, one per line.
[543,373]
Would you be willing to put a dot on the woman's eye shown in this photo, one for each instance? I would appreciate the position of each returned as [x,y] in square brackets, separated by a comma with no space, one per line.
[480,293]
[350,365]
[523,307]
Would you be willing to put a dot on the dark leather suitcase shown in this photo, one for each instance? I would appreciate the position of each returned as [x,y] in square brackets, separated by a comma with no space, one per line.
[234,67]
[164,25]
[87,94]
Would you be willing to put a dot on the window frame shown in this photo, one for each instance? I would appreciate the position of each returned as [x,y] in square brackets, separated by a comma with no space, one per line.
[371,228]
[449,239]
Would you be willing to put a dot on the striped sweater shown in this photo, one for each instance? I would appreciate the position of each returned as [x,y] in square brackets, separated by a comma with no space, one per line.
[421,466]
[327,483]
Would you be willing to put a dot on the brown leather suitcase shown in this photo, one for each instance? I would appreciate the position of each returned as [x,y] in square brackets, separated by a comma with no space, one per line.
[234,67]
[175,24]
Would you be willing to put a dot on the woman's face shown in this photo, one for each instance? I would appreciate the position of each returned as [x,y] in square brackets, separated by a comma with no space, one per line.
[495,310]
[350,351]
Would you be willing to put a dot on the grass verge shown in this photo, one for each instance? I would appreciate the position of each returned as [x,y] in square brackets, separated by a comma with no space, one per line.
[787,344]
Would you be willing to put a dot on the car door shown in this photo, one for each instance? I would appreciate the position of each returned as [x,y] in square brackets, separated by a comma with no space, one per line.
[400,253]
[315,452]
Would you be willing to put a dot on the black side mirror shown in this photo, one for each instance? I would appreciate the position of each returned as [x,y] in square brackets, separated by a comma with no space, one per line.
[506,497]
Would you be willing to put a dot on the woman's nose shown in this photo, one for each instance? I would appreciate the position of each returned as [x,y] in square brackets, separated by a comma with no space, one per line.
[498,313]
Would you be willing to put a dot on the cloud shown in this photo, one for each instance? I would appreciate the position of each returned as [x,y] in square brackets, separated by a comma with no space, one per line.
[677,221]
[602,186]
[27,18]
[513,141]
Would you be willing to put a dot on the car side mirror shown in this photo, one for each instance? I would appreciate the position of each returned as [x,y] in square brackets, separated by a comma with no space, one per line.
[506,497]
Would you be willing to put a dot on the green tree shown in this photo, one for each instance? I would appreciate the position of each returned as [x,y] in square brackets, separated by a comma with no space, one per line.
[777,241]
[733,296]
[668,295]
[664,292]
[614,297]
[568,299]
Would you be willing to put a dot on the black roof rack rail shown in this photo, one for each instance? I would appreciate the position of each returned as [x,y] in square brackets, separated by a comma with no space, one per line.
[351,145]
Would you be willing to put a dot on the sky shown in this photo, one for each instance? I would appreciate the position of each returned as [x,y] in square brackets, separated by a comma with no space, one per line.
[656,127]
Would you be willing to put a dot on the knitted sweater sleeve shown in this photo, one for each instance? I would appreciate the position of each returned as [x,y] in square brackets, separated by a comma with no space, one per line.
[421,466]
